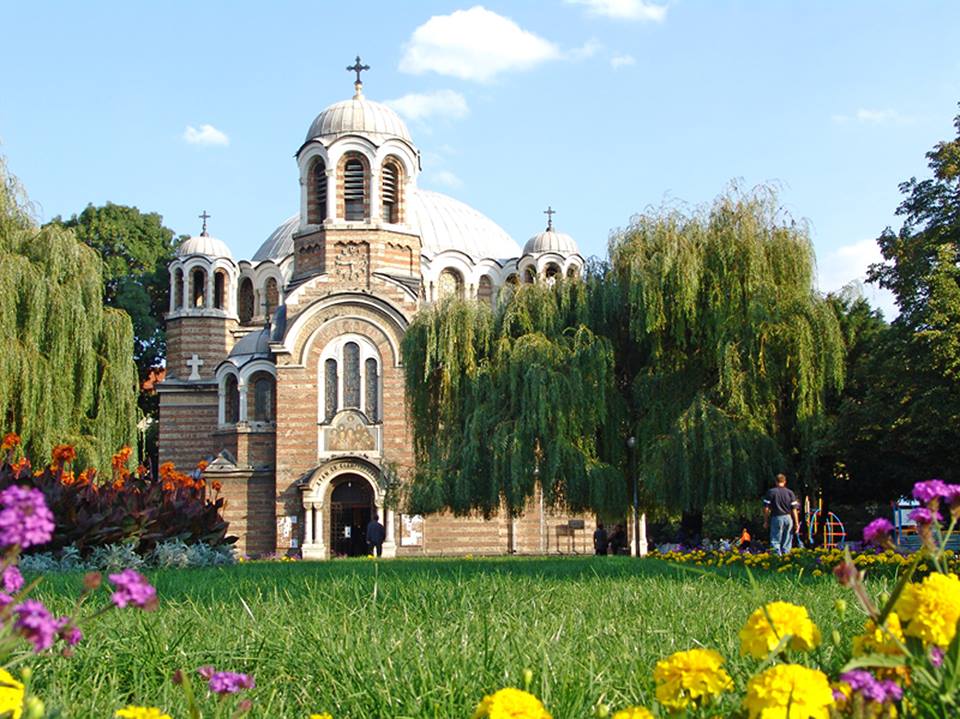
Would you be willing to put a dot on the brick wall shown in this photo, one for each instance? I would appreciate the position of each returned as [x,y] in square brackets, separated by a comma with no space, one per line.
[210,338]
[188,425]
[248,507]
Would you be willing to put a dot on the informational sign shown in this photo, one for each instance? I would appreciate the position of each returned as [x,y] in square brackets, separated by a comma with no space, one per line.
[346,531]
[411,530]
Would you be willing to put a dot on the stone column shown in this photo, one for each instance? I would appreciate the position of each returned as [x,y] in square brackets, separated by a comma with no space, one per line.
[186,291]
[242,390]
[390,542]
[208,295]
[307,524]
[331,193]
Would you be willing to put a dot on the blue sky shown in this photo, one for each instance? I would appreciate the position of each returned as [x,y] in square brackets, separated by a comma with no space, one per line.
[600,108]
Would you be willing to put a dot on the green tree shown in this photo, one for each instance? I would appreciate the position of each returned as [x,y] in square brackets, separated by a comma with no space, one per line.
[136,249]
[922,268]
[66,373]
[732,350]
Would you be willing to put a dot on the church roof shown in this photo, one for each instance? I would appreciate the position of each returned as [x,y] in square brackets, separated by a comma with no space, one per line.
[359,116]
[551,241]
[442,222]
[204,244]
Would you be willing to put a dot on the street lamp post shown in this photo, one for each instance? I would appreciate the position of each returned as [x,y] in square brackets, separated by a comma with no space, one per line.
[631,445]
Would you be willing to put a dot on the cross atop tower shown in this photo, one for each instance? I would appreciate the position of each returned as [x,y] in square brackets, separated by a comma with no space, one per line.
[357,67]
[549,212]
[204,216]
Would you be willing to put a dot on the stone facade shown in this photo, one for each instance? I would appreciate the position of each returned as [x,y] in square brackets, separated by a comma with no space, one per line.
[299,408]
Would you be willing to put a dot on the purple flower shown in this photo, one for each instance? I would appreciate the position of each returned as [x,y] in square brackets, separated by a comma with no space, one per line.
[930,490]
[924,516]
[877,531]
[133,588]
[12,580]
[952,495]
[68,632]
[226,682]
[865,684]
[5,600]
[35,624]
[893,690]
[25,519]
[936,656]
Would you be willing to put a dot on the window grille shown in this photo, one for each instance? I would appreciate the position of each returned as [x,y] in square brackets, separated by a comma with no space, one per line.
[319,213]
[354,189]
[391,194]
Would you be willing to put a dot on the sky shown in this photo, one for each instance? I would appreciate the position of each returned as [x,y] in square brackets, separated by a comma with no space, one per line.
[598,108]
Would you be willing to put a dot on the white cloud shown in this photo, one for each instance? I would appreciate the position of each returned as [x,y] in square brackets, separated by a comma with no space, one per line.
[618,61]
[445,178]
[848,265]
[475,44]
[587,50]
[441,103]
[624,9]
[206,135]
[874,117]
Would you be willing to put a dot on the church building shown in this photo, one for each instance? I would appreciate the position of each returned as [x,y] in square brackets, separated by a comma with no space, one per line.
[284,371]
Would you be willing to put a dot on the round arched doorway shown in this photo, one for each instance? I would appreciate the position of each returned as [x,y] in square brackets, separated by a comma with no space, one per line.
[351,508]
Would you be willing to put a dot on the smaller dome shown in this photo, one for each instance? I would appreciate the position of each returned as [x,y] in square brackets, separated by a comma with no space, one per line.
[551,241]
[255,344]
[204,244]
[359,116]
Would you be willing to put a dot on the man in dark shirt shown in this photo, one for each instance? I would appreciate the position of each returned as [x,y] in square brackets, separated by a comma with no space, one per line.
[600,539]
[781,513]
[375,536]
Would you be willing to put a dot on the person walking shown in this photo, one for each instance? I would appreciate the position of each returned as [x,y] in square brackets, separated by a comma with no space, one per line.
[781,513]
[375,536]
[600,539]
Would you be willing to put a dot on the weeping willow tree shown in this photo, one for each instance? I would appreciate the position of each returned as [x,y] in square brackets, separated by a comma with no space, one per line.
[66,363]
[504,399]
[730,349]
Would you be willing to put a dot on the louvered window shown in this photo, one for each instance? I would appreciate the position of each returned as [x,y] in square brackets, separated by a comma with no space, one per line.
[373,383]
[391,193]
[354,188]
[319,205]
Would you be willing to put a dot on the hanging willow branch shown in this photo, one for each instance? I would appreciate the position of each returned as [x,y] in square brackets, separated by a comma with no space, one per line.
[66,363]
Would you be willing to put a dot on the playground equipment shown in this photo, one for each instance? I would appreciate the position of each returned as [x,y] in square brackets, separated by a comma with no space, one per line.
[823,525]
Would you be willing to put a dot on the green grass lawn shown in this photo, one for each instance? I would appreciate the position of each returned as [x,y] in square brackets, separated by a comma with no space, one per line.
[418,638]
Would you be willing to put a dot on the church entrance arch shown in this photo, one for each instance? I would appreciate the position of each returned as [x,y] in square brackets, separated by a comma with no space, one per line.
[351,508]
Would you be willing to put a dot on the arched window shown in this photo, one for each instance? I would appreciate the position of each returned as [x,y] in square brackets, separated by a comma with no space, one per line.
[553,273]
[231,400]
[529,276]
[354,190]
[351,378]
[219,289]
[513,280]
[330,393]
[372,379]
[178,289]
[573,272]
[199,281]
[450,284]
[317,194]
[264,397]
[485,289]
[351,375]
[271,297]
[245,301]
[390,185]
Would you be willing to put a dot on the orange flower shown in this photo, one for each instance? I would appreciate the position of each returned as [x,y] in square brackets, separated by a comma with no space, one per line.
[168,486]
[217,486]
[121,458]
[142,471]
[10,440]
[67,479]
[166,469]
[86,476]
[21,464]
[118,484]
[63,453]
[202,464]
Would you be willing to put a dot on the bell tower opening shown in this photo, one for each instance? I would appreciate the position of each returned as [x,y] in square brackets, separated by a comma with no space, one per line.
[351,508]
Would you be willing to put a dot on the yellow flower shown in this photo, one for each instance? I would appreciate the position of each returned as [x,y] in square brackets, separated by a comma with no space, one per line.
[321,716]
[690,677]
[135,712]
[789,690]
[633,713]
[11,695]
[511,703]
[877,640]
[760,636]
[931,608]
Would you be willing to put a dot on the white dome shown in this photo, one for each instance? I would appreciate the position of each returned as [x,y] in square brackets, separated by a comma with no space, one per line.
[280,242]
[551,241]
[359,116]
[444,223]
[204,245]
